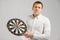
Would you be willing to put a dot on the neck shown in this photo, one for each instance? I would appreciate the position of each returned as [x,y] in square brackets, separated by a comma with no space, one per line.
[35,15]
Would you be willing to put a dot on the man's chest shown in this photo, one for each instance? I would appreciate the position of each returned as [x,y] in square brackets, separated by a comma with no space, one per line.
[36,24]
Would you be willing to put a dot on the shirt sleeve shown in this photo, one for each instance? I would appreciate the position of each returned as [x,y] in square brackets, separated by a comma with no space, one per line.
[47,30]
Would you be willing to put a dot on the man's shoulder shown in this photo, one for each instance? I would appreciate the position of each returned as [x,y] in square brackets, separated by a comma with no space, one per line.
[45,18]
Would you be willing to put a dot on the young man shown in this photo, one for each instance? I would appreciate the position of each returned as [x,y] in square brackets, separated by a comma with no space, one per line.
[38,25]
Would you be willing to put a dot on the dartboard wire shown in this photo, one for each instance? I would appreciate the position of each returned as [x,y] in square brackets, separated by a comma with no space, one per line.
[18,21]
[16,31]
[20,31]
[12,30]
[11,27]
[13,21]
[23,26]
[20,24]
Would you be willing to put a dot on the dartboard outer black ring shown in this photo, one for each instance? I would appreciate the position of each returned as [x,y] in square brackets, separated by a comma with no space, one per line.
[16,26]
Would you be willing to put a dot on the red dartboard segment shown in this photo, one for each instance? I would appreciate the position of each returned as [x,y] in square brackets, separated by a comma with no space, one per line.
[16,26]
[20,24]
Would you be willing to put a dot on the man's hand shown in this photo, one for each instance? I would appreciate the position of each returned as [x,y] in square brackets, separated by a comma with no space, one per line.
[28,35]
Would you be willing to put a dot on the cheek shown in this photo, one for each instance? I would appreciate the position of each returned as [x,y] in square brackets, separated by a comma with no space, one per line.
[34,9]
[40,10]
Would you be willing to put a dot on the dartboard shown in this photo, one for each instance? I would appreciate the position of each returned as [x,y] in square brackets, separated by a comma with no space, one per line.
[16,26]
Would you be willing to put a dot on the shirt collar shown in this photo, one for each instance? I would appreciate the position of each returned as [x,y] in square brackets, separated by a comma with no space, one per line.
[37,16]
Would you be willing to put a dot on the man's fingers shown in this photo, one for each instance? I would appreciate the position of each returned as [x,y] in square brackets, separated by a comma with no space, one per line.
[26,35]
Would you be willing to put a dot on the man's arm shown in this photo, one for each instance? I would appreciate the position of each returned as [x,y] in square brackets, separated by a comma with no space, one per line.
[47,30]
[45,35]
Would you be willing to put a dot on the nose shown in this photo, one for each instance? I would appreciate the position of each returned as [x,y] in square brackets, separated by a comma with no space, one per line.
[36,8]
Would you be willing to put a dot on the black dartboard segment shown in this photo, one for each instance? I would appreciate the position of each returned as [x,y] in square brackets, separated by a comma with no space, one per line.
[16,26]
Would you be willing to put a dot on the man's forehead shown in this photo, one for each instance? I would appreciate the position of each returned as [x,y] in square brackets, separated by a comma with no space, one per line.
[38,5]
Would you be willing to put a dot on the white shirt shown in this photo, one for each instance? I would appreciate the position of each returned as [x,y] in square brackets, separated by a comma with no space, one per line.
[39,26]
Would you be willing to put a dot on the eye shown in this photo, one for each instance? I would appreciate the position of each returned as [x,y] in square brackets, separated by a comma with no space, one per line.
[35,6]
[39,7]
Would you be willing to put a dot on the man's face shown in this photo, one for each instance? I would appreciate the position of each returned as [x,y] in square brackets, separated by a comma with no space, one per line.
[37,8]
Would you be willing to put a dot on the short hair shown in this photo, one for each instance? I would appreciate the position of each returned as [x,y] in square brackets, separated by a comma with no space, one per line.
[37,2]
